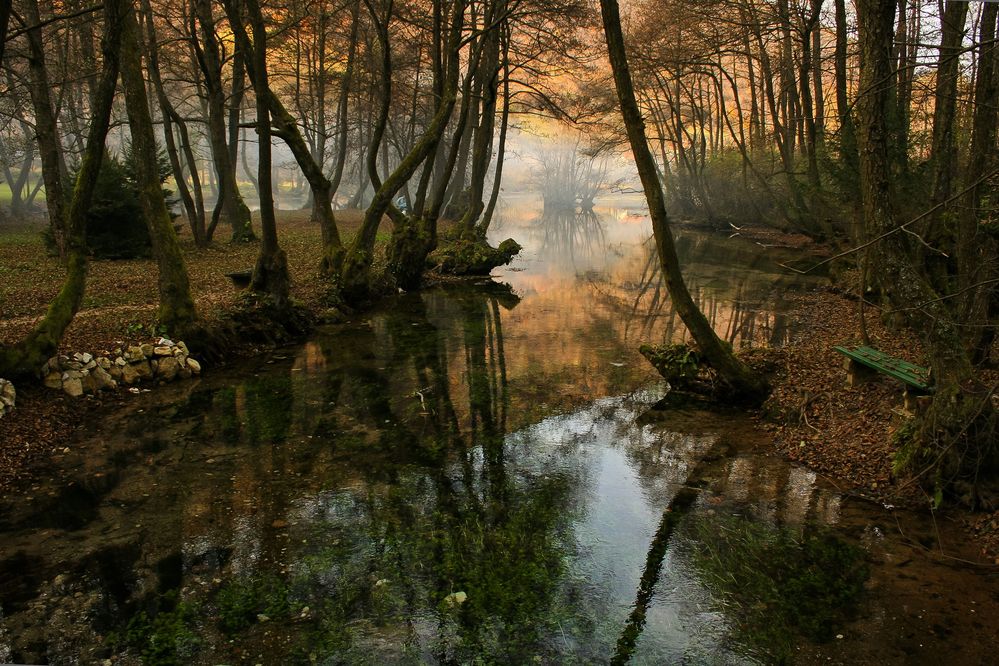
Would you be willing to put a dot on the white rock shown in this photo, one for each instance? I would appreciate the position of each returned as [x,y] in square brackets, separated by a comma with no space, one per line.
[73,387]
[194,366]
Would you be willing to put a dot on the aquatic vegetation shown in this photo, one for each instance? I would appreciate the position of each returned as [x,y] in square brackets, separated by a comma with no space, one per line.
[775,584]
[243,601]
[167,638]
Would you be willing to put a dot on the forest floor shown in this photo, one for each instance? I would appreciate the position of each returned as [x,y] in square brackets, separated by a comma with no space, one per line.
[843,434]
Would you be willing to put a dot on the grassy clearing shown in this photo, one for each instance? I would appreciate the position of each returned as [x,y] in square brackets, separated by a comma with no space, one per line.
[121,298]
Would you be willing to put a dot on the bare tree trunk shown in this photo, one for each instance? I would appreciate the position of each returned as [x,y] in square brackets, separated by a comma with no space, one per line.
[487,216]
[944,151]
[488,75]
[270,275]
[236,211]
[194,205]
[975,251]
[847,132]
[730,369]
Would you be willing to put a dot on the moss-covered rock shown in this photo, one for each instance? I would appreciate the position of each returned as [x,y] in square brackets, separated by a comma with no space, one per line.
[463,256]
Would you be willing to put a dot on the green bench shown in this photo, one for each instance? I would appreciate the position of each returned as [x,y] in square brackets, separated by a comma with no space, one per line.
[863,363]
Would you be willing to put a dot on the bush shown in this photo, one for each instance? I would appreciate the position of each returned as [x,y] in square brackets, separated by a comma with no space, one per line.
[116,227]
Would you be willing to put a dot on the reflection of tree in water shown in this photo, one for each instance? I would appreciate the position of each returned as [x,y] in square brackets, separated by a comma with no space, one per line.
[740,303]
[460,520]
[568,235]
[325,482]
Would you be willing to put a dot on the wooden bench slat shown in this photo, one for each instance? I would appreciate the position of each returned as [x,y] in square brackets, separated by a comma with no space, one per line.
[900,369]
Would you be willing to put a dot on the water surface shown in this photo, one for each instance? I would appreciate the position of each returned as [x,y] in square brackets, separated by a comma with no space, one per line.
[478,474]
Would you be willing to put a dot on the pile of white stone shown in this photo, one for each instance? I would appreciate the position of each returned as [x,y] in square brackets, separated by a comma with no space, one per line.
[7,395]
[162,361]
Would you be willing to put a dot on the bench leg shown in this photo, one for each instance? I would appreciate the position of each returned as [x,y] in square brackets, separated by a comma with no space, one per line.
[916,402]
[857,373]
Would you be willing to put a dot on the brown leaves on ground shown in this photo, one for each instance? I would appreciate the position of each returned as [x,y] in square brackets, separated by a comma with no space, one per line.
[39,428]
[844,433]
[841,432]
[121,297]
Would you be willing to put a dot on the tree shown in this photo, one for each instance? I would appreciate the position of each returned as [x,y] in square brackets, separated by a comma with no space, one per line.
[739,378]
[270,275]
[27,356]
[176,308]
[209,57]
[956,437]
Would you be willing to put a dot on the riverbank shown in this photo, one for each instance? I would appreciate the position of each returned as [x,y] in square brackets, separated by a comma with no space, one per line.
[812,418]
[846,434]
[120,308]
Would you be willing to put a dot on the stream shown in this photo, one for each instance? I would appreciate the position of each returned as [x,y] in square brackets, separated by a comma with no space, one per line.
[482,473]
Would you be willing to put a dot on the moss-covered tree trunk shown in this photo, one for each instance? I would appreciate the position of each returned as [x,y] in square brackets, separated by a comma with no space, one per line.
[270,275]
[176,309]
[27,356]
[355,276]
[55,175]
[742,381]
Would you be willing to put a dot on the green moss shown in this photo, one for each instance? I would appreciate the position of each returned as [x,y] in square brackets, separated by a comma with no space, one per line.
[463,256]
[907,450]
[679,364]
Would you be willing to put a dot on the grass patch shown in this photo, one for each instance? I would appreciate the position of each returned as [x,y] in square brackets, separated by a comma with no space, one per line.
[241,601]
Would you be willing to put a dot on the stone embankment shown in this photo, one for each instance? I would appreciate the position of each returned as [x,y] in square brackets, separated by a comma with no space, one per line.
[84,373]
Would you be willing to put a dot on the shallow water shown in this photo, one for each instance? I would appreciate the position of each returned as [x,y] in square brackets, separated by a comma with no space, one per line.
[479,474]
